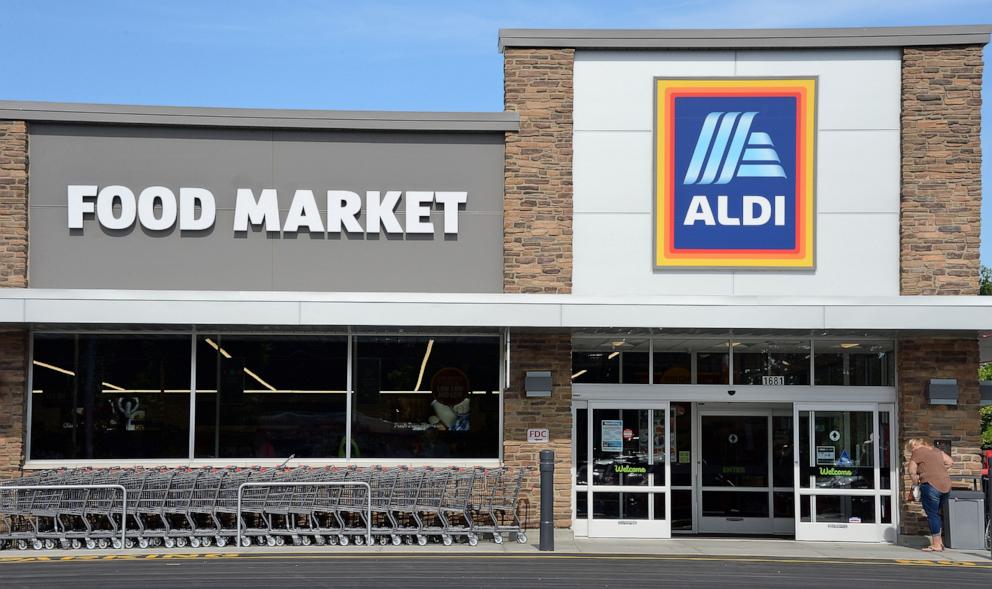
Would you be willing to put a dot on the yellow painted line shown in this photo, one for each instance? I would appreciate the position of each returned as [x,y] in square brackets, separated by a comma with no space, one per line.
[488,556]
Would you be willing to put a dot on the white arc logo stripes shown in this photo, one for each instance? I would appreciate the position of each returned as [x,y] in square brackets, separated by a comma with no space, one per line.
[719,141]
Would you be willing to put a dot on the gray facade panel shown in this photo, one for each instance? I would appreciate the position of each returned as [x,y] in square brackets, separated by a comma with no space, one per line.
[222,160]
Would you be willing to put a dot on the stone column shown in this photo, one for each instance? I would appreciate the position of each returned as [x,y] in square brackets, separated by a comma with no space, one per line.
[939,247]
[13,274]
[540,351]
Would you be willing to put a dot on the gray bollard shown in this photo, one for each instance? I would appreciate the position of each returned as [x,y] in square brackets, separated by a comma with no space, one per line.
[547,501]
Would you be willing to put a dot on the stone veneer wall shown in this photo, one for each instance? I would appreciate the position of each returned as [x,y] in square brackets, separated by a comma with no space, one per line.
[537,204]
[540,351]
[919,360]
[941,170]
[939,245]
[537,258]
[13,274]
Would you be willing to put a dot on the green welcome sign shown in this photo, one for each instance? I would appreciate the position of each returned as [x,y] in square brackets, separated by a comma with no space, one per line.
[627,469]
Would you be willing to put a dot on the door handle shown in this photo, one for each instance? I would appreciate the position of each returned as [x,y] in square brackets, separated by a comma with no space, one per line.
[735,519]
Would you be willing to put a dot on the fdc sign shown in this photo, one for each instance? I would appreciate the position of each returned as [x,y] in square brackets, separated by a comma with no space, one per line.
[734,162]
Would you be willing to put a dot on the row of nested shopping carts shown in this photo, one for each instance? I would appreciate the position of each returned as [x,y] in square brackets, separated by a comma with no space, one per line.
[73,508]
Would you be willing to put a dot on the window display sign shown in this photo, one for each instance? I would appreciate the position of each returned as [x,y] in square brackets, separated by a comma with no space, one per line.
[611,435]
[734,167]
[826,455]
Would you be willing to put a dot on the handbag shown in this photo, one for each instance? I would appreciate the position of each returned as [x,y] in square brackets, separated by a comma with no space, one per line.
[916,492]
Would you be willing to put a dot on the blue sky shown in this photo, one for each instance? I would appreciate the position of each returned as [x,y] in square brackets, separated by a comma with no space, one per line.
[387,55]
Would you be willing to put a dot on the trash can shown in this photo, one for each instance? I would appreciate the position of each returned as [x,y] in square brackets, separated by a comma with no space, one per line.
[964,520]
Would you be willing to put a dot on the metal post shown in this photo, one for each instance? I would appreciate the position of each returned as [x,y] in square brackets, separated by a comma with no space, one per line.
[547,501]
[988,504]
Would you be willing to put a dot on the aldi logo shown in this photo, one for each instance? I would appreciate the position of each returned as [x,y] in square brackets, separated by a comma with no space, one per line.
[734,172]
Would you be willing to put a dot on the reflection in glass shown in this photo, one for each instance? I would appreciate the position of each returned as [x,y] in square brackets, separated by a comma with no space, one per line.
[620,448]
[271,396]
[735,451]
[854,363]
[681,450]
[845,509]
[110,397]
[760,362]
[426,397]
[581,447]
[841,456]
[620,505]
[610,360]
[737,504]
[682,510]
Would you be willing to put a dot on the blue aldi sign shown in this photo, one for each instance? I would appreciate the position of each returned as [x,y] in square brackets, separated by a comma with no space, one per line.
[734,185]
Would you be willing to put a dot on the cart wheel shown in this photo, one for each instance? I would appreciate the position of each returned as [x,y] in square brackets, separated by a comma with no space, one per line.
[306,541]
[446,540]
[421,540]
[383,540]
[521,538]
[170,542]
[360,540]
[245,542]
[142,543]
[396,540]
[498,538]
[194,542]
[270,541]
[103,543]
[280,541]
[129,543]
[473,540]
[37,544]
[320,540]
[343,540]
[181,542]
[220,541]
[116,543]
[206,542]
[22,544]
[332,540]
[90,544]
[49,544]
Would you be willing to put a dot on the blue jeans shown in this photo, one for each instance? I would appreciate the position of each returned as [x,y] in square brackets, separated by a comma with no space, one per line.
[932,499]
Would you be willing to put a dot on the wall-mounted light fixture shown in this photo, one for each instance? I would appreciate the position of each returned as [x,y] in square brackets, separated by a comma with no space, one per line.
[943,391]
[537,383]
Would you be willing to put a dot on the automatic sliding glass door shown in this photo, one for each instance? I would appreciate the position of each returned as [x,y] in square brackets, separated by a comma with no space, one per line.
[844,466]
[627,492]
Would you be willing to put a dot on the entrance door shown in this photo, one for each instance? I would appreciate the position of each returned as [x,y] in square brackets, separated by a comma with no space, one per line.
[845,468]
[745,478]
[627,495]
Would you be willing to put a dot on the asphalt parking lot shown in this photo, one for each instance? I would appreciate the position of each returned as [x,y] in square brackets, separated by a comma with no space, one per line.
[232,570]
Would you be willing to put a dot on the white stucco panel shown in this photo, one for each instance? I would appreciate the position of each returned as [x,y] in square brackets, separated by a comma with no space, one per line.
[857,172]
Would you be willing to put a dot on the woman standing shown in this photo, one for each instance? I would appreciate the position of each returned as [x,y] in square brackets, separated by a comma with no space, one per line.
[928,469]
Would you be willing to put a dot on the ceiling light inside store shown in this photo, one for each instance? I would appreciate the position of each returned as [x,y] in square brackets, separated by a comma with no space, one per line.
[423,364]
[579,373]
[619,343]
[53,367]
[849,346]
[213,345]
[613,355]
[259,379]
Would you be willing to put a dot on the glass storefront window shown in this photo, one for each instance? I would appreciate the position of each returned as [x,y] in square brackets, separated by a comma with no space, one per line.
[271,396]
[854,363]
[841,453]
[610,360]
[771,362]
[110,397]
[426,397]
[673,360]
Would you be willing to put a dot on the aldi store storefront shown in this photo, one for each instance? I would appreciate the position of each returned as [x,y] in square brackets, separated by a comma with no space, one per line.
[704,267]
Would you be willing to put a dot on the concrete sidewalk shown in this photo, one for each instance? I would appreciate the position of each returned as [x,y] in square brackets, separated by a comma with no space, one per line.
[566,544]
